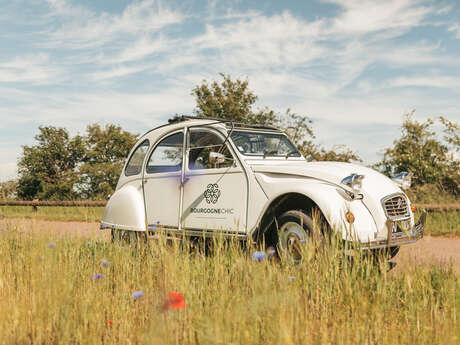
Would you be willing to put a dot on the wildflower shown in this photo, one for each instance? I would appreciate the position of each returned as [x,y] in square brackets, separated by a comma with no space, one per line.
[259,256]
[41,258]
[2,229]
[97,276]
[3,215]
[105,263]
[51,245]
[109,322]
[88,244]
[175,301]
[291,278]
[271,251]
[303,241]
[137,294]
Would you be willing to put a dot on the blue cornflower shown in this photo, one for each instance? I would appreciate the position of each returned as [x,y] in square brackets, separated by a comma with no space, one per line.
[291,278]
[51,245]
[97,276]
[259,256]
[137,294]
[105,263]
[88,244]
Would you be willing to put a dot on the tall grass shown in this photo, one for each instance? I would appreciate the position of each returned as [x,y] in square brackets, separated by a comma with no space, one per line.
[48,296]
[58,213]
[445,223]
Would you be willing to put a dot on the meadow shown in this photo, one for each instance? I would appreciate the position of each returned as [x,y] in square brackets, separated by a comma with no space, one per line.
[62,289]
[440,223]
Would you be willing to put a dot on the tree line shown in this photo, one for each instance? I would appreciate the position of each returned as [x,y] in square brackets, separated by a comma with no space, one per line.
[87,166]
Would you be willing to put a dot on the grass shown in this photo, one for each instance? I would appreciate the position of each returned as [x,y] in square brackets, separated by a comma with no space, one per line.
[446,223]
[48,296]
[57,213]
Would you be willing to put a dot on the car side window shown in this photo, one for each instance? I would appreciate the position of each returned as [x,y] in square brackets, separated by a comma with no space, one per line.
[134,165]
[167,155]
[202,143]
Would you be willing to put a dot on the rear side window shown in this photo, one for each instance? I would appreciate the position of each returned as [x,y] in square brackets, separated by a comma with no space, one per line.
[167,156]
[134,165]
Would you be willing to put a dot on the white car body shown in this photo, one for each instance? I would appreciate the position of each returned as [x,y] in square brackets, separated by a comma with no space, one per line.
[234,200]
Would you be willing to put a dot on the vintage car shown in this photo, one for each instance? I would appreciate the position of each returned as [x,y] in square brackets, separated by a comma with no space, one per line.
[204,176]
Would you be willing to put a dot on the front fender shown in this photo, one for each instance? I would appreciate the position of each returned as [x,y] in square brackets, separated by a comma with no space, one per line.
[331,200]
[125,209]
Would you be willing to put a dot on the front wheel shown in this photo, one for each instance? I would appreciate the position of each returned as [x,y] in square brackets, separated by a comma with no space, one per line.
[295,230]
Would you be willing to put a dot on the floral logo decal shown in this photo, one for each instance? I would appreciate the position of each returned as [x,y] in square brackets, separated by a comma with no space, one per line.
[212,193]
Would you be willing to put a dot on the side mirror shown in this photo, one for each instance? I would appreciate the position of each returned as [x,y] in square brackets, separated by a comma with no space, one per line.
[216,158]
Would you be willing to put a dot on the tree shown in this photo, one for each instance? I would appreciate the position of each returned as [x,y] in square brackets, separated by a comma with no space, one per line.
[48,170]
[106,149]
[8,190]
[60,167]
[233,100]
[419,151]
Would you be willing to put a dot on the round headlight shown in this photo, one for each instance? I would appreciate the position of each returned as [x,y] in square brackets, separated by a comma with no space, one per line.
[354,181]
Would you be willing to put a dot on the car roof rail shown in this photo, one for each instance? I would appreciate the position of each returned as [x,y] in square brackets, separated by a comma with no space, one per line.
[229,123]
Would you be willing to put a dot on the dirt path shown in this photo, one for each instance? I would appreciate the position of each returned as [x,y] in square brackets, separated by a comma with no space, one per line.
[429,250]
[439,250]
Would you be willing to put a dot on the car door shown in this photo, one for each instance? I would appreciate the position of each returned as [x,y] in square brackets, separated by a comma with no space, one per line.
[162,182]
[215,191]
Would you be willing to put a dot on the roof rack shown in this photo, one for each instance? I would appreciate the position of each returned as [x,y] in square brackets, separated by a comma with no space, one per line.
[220,120]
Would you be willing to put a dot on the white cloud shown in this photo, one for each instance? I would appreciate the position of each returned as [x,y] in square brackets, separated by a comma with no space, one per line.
[82,29]
[367,16]
[426,80]
[455,29]
[30,69]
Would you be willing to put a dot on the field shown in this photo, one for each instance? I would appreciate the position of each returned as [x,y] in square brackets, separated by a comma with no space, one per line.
[50,293]
[445,223]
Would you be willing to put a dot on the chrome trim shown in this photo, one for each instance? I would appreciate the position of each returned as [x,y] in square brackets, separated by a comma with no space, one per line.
[399,239]
[396,218]
[155,229]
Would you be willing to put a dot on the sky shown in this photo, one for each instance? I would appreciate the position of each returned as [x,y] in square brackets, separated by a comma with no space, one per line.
[355,67]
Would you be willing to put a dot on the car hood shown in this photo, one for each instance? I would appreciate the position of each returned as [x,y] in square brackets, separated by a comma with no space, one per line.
[375,184]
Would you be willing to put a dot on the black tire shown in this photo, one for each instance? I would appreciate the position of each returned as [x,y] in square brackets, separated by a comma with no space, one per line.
[126,237]
[388,253]
[294,231]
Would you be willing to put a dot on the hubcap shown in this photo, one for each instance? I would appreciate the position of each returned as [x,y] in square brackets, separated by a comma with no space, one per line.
[292,237]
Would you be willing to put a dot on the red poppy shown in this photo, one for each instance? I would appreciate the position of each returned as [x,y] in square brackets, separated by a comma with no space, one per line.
[175,301]
[109,322]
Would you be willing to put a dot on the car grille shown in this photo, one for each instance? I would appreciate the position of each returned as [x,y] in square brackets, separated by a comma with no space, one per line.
[396,207]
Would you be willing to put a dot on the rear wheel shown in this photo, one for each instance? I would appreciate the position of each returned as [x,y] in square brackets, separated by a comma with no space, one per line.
[295,231]
[127,237]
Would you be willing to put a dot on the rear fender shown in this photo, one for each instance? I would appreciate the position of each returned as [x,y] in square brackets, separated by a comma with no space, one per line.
[125,209]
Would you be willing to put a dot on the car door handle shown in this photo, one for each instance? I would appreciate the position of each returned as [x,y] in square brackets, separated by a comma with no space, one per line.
[145,181]
[185,180]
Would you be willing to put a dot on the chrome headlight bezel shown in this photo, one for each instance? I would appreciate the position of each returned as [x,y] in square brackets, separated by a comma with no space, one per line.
[354,181]
[403,179]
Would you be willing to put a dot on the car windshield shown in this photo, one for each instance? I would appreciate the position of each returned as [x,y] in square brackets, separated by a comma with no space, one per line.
[264,144]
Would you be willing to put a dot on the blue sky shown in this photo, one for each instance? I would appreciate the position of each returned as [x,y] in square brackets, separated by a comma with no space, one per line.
[355,67]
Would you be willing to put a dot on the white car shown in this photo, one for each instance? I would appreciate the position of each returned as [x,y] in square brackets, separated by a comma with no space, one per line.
[203,176]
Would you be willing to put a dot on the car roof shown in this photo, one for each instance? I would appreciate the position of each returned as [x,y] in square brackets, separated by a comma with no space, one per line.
[181,121]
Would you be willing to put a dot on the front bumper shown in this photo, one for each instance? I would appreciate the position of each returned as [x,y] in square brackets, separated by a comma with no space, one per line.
[400,238]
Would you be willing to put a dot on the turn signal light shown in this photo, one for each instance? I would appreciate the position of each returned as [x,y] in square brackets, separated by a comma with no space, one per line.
[350,217]
[413,208]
